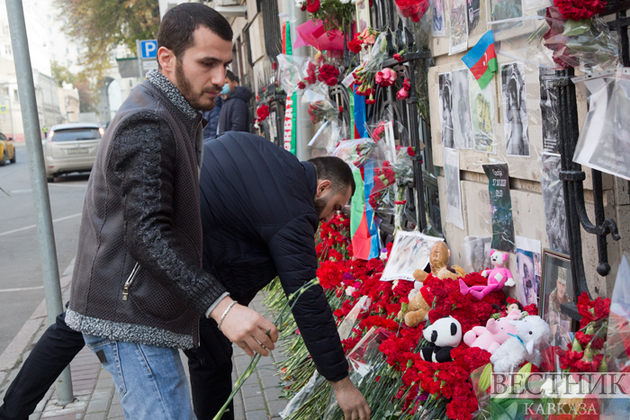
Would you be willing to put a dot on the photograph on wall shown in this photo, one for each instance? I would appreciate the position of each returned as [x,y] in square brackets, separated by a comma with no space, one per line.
[514,109]
[556,288]
[439,26]
[549,110]
[454,213]
[476,250]
[506,9]
[604,142]
[473,12]
[410,251]
[482,110]
[553,202]
[446,109]
[529,265]
[462,121]
[500,207]
[458,26]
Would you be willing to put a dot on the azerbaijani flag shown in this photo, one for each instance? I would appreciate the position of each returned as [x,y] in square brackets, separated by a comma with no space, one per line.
[482,60]
[363,228]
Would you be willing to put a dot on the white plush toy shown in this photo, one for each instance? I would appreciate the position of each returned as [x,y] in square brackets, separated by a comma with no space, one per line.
[532,333]
[443,335]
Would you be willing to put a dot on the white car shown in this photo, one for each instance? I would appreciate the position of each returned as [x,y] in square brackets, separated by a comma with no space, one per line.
[71,148]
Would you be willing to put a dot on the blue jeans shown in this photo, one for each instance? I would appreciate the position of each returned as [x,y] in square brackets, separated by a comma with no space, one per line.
[150,381]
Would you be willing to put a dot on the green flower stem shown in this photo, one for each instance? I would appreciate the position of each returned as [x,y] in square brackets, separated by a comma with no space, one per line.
[280,320]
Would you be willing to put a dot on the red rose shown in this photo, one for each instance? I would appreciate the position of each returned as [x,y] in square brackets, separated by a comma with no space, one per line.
[312,6]
[301,85]
[410,151]
[398,57]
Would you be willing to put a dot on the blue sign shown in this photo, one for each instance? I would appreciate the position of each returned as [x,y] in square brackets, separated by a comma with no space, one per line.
[148,48]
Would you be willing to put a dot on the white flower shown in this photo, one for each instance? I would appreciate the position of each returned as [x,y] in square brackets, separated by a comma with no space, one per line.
[350,290]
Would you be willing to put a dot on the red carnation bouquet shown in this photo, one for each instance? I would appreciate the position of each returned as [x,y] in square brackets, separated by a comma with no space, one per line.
[413,9]
[327,73]
[262,112]
[586,353]
[579,9]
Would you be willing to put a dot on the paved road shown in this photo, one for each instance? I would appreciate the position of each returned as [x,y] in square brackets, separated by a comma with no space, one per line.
[21,285]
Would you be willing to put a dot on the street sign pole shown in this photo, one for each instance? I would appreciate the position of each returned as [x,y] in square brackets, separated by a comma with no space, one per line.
[147,56]
[39,186]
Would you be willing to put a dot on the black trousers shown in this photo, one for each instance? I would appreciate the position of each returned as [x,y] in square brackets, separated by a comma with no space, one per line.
[210,368]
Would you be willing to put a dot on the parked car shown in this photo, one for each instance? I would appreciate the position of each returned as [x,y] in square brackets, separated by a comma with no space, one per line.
[71,148]
[7,150]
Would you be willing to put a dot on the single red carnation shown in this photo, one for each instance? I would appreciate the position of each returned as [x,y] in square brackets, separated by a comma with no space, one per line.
[355,45]
[312,6]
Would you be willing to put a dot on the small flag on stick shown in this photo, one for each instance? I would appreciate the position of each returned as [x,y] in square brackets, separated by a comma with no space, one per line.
[482,60]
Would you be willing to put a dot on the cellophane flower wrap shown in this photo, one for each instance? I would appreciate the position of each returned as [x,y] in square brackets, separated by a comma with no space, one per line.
[320,107]
[291,71]
[576,43]
[391,181]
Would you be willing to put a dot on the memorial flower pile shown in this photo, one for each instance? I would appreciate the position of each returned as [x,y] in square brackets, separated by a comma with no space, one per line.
[385,354]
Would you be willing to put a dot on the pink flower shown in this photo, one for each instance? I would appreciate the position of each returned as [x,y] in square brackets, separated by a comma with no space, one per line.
[385,77]
[402,94]
[367,37]
[378,78]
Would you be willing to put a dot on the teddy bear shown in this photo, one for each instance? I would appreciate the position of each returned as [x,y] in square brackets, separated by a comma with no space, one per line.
[417,309]
[494,333]
[444,335]
[532,334]
[498,277]
[438,261]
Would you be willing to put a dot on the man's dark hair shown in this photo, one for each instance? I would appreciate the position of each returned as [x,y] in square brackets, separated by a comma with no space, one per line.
[336,171]
[231,76]
[179,23]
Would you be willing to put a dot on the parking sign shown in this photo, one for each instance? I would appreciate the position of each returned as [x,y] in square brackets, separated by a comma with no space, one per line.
[148,48]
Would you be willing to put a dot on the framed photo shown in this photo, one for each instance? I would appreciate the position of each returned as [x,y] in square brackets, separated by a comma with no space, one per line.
[556,288]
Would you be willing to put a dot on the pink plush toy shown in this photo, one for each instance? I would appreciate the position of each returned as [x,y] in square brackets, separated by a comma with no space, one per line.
[498,277]
[493,334]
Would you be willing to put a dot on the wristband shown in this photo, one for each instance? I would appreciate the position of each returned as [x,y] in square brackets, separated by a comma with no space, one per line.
[225,313]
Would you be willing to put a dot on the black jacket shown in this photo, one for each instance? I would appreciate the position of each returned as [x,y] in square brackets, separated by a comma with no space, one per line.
[138,275]
[259,222]
[235,114]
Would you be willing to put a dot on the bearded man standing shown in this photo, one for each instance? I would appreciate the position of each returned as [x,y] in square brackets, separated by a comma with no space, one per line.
[138,287]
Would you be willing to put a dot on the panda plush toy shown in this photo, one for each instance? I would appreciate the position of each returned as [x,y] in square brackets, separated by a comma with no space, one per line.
[444,335]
